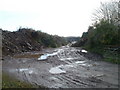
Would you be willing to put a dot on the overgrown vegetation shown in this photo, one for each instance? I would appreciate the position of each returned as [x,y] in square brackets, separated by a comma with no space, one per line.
[103,36]
[27,39]
[9,82]
[44,39]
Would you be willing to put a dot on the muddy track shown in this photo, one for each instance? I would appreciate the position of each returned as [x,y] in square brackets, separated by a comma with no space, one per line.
[65,67]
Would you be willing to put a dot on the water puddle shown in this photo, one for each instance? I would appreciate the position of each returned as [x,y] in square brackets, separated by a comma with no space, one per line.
[66,59]
[57,70]
[81,62]
[61,68]
[45,56]
[29,71]
[84,51]
[62,59]
[23,69]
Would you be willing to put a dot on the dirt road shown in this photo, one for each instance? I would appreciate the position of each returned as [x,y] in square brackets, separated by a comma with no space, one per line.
[65,67]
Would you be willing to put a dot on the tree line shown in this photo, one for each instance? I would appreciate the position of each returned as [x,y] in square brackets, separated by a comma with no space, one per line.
[103,34]
[27,39]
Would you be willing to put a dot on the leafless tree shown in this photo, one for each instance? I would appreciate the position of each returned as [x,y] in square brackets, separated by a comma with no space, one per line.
[108,11]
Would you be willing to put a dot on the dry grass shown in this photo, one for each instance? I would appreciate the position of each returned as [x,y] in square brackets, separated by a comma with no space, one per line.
[28,56]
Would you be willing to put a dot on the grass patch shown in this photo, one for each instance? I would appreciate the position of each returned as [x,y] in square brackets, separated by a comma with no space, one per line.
[10,82]
[108,54]
[112,56]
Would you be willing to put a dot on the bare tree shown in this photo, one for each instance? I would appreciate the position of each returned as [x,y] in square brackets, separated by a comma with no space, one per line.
[108,11]
[119,13]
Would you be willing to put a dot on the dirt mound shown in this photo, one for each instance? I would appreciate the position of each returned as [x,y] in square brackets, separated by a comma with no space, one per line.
[19,41]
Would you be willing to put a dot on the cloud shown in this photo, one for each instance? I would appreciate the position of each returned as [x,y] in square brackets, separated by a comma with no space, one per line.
[62,17]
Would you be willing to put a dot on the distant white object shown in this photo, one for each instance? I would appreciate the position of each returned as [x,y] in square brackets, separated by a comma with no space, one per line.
[74,42]
[43,57]
[66,59]
[80,62]
[53,54]
[84,51]
[26,70]
[23,69]
[30,72]
[56,70]
[62,59]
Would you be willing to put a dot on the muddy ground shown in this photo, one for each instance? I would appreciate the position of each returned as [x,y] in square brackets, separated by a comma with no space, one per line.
[65,67]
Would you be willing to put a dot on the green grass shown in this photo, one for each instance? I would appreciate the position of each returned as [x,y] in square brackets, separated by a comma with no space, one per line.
[108,55]
[112,56]
[10,82]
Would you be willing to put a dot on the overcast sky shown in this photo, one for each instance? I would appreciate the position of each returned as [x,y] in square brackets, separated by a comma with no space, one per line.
[60,17]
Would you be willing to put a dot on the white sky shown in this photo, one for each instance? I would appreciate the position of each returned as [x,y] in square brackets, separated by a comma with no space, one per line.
[60,17]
